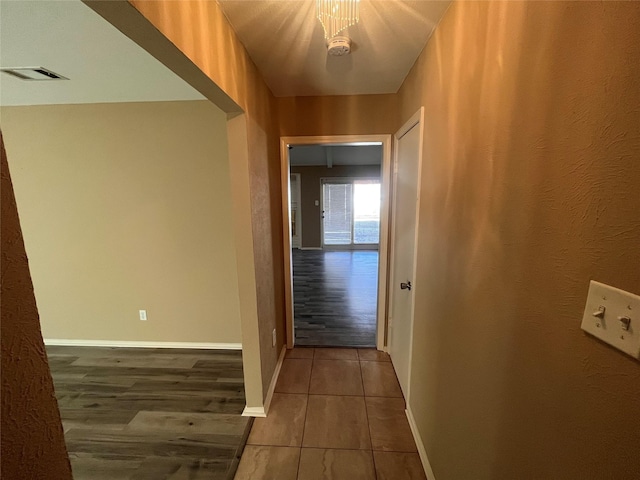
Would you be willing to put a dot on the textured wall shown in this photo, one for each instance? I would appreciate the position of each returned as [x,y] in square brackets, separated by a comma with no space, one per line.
[202,33]
[124,207]
[32,440]
[530,189]
[311,190]
[337,115]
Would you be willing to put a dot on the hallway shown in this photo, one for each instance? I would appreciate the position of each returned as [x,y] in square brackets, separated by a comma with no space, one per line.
[337,414]
[335,297]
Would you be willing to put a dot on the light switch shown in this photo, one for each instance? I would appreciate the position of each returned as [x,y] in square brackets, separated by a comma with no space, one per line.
[317,203]
[613,316]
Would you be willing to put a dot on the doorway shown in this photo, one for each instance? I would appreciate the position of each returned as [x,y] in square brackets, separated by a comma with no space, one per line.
[351,242]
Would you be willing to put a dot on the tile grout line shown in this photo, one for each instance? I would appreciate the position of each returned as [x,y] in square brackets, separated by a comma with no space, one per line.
[366,415]
[306,410]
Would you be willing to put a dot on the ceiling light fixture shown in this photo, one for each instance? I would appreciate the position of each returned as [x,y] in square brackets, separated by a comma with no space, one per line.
[337,15]
[339,46]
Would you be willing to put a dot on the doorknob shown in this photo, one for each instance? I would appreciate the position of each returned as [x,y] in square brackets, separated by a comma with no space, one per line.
[405,286]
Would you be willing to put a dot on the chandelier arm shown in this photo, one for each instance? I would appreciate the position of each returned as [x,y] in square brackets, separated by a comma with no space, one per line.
[337,15]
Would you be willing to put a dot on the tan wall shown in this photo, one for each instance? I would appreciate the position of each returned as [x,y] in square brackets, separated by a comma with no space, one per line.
[310,191]
[199,35]
[338,115]
[530,189]
[32,439]
[127,207]
[203,35]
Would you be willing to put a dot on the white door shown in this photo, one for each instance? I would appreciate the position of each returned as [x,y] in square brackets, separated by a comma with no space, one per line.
[296,213]
[406,178]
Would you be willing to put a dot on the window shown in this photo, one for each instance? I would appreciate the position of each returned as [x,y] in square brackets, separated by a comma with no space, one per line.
[351,212]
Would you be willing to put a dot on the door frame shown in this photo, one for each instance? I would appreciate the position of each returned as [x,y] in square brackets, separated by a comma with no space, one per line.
[385,208]
[417,119]
[299,194]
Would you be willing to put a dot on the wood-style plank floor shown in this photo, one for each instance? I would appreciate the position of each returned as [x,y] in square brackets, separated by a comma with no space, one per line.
[141,413]
[335,297]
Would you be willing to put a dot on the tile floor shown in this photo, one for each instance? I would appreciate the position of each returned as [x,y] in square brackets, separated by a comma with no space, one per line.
[337,413]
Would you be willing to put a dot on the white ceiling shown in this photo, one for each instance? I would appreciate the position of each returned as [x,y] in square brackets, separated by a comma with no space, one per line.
[103,65]
[287,43]
[313,155]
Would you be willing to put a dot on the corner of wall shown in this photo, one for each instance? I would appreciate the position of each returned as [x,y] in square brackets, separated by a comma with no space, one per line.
[32,437]
[243,234]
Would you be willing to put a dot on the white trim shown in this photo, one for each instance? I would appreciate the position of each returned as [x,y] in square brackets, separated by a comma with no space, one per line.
[262,411]
[285,178]
[383,247]
[385,140]
[421,450]
[274,380]
[254,412]
[310,248]
[140,344]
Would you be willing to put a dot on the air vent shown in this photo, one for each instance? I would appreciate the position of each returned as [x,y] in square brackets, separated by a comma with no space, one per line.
[33,73]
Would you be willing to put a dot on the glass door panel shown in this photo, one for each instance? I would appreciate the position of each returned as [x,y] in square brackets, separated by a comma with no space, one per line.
[366,212]
[337,214]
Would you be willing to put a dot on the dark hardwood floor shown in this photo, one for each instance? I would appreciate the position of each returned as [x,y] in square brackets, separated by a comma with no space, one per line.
[335,297]
[141,413]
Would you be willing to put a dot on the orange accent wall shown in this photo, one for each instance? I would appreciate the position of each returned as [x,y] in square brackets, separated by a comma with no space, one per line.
[530,188]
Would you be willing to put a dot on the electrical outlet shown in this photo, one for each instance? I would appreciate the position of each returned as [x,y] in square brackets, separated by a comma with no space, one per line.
[273,338]
[143,315]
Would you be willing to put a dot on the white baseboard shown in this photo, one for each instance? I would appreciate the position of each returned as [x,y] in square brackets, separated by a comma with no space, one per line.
[310,248]
[254,412]
[274,380]
[262,411]
[421,450]
[140,344]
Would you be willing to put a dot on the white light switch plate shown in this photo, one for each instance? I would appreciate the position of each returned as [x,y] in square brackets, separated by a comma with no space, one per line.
[608,327]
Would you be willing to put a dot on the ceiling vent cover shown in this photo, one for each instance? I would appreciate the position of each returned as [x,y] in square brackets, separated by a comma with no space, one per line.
[339,46]
[33,73]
